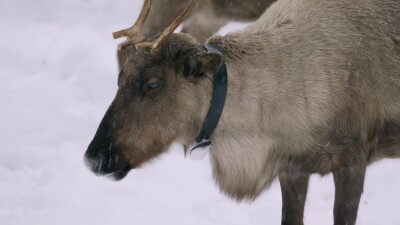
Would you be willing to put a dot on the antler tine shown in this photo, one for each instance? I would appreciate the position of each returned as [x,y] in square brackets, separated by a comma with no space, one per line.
[134,30]
[170,29]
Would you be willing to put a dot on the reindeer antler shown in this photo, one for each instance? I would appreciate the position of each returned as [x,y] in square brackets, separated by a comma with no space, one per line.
[134,32]
[135,29]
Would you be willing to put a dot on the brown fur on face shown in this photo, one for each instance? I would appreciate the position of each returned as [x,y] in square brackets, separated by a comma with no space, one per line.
[153,119]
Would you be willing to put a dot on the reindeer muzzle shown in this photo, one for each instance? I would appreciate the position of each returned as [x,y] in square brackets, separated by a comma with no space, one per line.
[103,156]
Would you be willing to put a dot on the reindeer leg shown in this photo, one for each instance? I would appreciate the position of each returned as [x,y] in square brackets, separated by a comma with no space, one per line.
[349,183]
[294,192]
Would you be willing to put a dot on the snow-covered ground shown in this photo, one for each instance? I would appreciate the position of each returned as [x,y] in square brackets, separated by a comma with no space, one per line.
[58,75]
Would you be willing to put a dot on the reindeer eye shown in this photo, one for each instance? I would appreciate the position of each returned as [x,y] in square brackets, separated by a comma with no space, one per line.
[153,85]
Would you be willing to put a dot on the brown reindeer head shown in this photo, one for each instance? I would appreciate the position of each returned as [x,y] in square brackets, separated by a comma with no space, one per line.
[164,93]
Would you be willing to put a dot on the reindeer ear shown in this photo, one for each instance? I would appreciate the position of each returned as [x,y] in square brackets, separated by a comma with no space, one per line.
[201,64]
[211,61]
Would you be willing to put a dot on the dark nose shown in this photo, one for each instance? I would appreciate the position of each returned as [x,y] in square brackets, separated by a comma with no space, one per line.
[98,160]
[104,160]
[103,157]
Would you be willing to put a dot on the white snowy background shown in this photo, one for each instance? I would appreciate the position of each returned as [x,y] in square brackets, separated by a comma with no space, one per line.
[58,74]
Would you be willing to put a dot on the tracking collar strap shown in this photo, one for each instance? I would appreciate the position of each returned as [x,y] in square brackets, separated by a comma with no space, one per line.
[220,87]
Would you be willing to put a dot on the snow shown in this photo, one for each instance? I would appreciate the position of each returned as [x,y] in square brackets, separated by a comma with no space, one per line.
[58,74]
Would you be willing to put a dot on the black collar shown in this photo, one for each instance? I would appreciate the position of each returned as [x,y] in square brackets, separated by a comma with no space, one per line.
[217,104]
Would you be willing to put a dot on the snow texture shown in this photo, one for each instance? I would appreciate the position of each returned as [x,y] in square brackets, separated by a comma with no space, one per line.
[58,74]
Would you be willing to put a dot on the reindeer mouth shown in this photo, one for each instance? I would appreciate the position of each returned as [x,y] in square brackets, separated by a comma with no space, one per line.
[109,166]
[119,174]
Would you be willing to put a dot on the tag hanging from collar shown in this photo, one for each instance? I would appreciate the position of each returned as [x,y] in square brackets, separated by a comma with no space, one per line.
[199,149]
[201,146]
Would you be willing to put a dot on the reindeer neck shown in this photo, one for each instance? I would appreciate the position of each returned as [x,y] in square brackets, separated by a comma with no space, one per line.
[247,84]
[220,83]
[242,136]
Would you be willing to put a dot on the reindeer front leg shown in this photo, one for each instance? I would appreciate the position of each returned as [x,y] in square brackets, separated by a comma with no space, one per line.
[349,183]
[294,192]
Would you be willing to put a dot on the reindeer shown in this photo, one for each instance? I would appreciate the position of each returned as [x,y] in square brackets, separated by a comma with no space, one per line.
[312,86]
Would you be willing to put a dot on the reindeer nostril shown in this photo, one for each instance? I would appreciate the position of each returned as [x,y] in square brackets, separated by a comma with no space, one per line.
[110,162]
[99,166]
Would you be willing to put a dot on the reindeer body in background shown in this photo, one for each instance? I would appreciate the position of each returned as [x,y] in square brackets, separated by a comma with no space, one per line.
[205,19]
[313,87]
